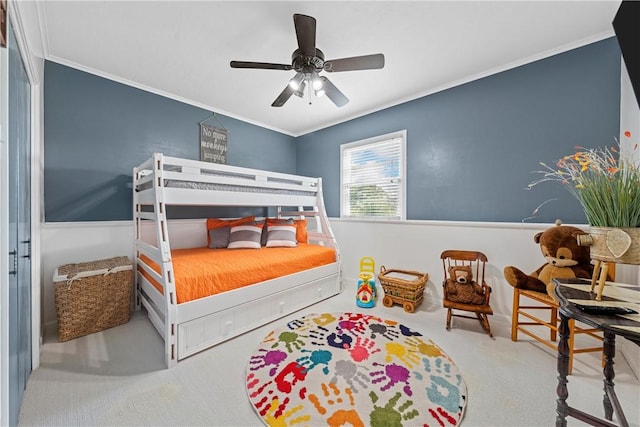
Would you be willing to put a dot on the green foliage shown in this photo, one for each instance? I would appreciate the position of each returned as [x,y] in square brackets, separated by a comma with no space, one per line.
[612,201]
[371,200]
[608,188]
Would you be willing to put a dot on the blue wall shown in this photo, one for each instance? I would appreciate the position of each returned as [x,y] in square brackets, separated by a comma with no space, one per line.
[471,148]
[97,130]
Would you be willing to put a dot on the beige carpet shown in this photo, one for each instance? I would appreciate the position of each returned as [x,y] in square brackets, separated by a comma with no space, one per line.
[116,377]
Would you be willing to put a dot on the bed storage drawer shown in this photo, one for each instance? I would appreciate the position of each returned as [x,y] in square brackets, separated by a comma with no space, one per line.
[203,332]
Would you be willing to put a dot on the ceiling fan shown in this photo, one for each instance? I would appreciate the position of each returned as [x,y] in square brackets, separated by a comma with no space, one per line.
[308,61]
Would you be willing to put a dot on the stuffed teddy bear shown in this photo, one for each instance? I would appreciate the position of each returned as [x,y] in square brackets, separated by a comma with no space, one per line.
[565,259]
[460,287]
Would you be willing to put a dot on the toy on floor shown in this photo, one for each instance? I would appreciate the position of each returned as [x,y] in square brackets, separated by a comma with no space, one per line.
[366,293]
[402,287]
[461,287]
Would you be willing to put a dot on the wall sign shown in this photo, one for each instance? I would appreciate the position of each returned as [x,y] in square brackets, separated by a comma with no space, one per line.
[213,144]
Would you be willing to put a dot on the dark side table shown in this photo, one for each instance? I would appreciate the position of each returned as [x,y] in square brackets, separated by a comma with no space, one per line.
[611,326]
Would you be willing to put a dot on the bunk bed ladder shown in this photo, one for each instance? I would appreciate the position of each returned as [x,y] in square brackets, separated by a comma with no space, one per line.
[326,228]
[323,233]
[136,238]
[139,173]
[162,239]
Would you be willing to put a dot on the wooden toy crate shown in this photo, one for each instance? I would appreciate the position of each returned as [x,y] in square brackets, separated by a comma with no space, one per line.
[92,296]
[403,287]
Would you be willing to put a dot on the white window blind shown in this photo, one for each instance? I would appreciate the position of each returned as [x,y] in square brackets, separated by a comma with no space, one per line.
[372,177]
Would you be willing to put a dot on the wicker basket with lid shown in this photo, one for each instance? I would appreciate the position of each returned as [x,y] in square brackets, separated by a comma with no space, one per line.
[92,296]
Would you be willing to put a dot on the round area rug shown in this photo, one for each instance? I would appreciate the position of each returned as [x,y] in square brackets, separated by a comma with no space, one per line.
[353,369]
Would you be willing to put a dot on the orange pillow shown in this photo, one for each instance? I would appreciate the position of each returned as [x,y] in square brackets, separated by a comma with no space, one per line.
[301,231]
[272,221]
[219,223]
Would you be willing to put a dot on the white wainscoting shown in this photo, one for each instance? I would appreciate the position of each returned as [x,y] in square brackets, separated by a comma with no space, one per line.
[409,245]
[65,243]
[416,245]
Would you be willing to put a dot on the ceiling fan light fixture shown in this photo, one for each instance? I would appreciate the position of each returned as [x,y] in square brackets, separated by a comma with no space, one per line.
[307,60]
[296,81]
[316,82]
[300,91]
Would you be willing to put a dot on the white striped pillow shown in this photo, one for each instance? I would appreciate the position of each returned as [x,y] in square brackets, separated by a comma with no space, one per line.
[281,235]
[245,236]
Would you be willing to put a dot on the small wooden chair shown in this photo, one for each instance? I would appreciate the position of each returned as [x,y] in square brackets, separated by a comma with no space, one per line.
[525,316]
[477,261]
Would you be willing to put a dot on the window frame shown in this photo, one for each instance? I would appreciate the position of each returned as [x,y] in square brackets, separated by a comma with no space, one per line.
[402,202]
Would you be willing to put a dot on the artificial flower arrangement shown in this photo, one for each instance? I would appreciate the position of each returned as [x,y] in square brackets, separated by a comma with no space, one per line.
[606,184]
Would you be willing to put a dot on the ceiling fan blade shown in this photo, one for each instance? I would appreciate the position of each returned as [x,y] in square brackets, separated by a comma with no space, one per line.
[366,62]
[306,33]
[333,93]
[284,96]
[260,65]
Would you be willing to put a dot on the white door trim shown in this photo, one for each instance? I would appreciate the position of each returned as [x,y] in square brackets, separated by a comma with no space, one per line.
[4,238]
[36,178]
[36,203]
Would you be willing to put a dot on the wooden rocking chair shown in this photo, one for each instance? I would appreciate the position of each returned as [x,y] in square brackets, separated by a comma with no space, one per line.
[476,261]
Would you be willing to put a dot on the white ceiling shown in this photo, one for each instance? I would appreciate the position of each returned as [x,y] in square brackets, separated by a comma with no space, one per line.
[182,49]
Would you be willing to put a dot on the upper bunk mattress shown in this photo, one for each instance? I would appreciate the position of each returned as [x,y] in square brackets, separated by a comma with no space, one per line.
[202,272]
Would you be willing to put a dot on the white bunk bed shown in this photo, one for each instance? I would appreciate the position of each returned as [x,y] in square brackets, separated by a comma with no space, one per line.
[193,326]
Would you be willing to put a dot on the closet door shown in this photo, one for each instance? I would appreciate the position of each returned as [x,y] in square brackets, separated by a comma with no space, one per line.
[19,157]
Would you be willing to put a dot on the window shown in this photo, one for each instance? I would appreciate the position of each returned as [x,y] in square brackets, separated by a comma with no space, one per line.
[372,180]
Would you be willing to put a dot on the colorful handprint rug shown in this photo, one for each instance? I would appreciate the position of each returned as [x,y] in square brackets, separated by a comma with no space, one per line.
[353,369]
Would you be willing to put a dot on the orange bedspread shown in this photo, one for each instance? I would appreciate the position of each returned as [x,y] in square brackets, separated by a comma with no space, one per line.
[202,272]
